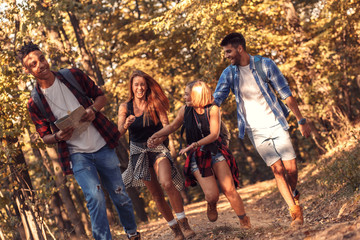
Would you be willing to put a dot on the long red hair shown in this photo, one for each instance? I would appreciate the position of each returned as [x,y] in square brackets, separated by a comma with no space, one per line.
[156,101]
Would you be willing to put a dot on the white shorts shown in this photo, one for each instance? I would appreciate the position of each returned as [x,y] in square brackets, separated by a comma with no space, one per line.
[272,144]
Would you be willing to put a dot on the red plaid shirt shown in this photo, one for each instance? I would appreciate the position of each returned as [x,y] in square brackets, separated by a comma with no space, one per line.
[107,129]
[203,161]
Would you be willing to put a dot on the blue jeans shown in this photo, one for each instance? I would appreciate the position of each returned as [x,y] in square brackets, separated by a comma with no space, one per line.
[87,168]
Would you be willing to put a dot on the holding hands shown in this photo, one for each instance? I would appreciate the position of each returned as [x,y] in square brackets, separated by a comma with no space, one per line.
[154,140]
[191,146]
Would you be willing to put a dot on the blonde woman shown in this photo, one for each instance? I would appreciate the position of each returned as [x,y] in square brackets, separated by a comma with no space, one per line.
[208,157]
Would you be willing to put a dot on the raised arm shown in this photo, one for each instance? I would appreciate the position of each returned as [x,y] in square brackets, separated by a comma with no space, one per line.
[214,130]
[168,129]
[123,121]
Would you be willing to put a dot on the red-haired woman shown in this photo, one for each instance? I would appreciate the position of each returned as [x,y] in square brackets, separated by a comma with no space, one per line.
[207,154]
[144,114]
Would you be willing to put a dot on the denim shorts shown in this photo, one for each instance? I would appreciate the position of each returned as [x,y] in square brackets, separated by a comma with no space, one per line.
[272,144]
[218,157]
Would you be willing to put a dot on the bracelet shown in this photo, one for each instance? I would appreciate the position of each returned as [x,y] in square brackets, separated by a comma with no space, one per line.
[302,121]
[56,139]
[93,108]
[196,144]
[125,127]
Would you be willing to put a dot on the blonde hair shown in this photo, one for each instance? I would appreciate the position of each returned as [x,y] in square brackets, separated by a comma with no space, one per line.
[201,94]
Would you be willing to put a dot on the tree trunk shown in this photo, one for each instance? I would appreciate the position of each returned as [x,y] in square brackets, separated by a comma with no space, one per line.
[21,178]
[82,209]
[53,33]
[60,181]
[23,217]
[55,204]
[122,152]
[138,203]
[2,237]
[89,60]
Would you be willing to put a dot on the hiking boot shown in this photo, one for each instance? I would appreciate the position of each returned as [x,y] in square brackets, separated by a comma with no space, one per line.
[186,230]
[135,237]
[245,222]
[177,232]
[296,215]
[297,197]
[211,211]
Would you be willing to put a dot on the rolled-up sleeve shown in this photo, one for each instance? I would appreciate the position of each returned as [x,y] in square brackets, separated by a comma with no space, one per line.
[223,87]
[277,79]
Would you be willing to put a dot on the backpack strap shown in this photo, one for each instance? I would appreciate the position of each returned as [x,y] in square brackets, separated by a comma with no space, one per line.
[263,76]
[69,77]
[37,100]
[259,69]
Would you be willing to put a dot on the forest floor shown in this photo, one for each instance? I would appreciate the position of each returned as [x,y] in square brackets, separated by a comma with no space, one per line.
[329,213]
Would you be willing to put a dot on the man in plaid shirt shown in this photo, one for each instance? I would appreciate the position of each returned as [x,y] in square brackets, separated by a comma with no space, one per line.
[90,155]
[262,115]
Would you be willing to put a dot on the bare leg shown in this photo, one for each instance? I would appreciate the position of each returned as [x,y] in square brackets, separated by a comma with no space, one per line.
[284,188]
[292,173]
[209,187]
[162,168]
[223,173]
[158,197]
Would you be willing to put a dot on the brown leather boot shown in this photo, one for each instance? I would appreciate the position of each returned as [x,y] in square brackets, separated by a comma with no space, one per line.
[211,211]
[186,230]
[177,232]
[296,215]
[245,222]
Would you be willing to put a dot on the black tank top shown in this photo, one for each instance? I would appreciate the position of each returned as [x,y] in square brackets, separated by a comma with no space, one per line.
[192,122]
[137,131]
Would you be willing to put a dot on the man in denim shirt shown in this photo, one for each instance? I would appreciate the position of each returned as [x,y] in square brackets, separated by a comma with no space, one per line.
[262,116]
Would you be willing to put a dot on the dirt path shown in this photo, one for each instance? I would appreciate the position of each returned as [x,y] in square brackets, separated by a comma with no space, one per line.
[329,213]
[227,220]
[269,217]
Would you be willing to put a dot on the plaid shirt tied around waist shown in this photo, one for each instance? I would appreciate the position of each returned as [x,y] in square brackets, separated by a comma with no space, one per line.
[203,161]
[138,169]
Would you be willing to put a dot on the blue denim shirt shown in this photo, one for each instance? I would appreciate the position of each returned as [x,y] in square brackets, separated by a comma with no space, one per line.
[229,79]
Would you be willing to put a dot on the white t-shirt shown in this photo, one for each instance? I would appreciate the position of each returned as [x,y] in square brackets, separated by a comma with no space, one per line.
[257,112]
[61,100]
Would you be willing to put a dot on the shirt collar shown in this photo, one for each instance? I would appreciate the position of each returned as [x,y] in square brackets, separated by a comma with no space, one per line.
[252,62]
